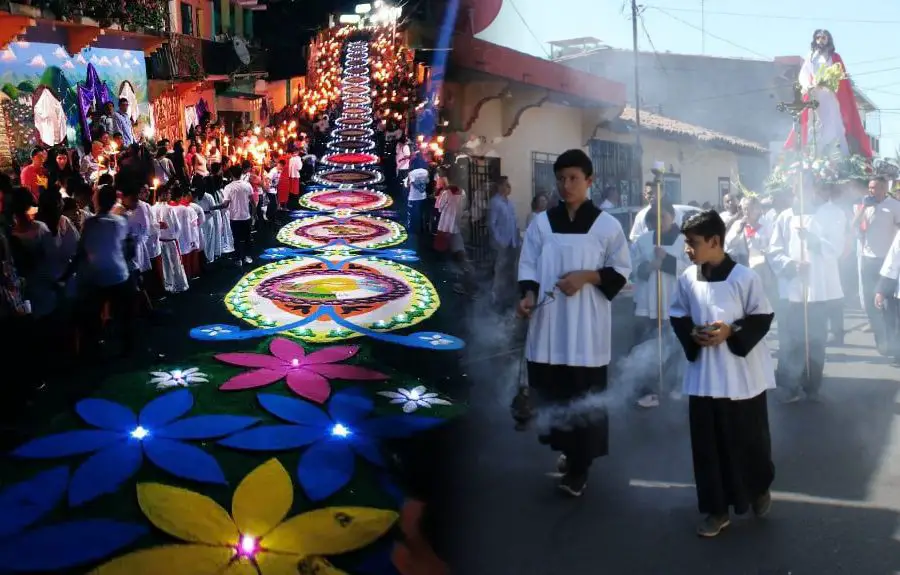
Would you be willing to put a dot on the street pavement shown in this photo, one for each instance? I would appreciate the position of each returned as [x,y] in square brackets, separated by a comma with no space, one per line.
[836,493]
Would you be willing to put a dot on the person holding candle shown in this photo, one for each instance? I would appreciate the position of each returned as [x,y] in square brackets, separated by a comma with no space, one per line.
[174,278]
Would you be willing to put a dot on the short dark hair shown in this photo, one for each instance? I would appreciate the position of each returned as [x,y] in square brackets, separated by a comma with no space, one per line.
[649,184]
[666,207]
[106,198]
[123,101]
[574,159]
[35,151]
[706,224]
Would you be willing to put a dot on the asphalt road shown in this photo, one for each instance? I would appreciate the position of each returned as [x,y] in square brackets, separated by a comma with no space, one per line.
[836,493]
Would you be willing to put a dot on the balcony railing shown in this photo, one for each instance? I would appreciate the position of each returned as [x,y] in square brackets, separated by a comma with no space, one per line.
[181,58]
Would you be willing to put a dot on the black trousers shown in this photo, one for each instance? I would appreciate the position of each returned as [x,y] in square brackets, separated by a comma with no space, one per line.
[240,229]
[122,302]
[580,433]
[792,371]
[732,452]
[870,273]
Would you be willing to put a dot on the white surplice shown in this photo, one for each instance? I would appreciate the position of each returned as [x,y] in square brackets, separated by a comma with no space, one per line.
[573,331]
[891,267]
[717,372]
[212,236]
[786,249]
[197,236]
[825,128]
[645,291]
[139,230]
[151,244]
[174,277]
[224,226]
[186,234]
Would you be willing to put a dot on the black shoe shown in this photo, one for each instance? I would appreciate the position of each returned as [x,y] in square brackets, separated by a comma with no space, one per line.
[573,484]
[762,505]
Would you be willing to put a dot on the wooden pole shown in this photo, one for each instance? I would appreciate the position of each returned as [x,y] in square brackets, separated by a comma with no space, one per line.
[659,284]
[637,91]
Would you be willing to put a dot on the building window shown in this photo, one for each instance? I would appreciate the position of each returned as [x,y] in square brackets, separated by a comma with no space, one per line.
[187,19]
[724,188]
[217,18]
[615,166]
[543,179]
[672,187]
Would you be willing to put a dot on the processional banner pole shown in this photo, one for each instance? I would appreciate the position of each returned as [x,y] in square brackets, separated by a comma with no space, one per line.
[796,109]
[658,170]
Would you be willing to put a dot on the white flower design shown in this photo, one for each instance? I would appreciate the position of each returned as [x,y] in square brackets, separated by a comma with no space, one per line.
[178,378]
[414,399]
[215,331]
[436,340]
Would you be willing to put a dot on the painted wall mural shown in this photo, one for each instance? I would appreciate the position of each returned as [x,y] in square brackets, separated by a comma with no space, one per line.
[27,66]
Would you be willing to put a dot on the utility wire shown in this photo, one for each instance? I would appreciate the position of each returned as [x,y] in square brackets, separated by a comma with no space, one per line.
[530,31]
[711,35]
[775,16]
[652,46]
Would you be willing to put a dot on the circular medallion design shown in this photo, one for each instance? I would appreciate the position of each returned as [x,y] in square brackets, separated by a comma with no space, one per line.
[357,90]
[353,122]
[358,100]
[357,71]
[356,200]
[357,111]
[375,294]
[356,81]
[352,133]
[350,159]
[348,177]
[355,231]
[351,145]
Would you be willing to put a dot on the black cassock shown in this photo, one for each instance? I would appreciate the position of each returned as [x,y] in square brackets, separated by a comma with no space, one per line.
[570,416]
[730,442]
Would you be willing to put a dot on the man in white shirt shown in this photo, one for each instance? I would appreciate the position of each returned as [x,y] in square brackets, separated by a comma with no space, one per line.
[122,122]
[417,184]
[295,169]
[640,227]
[238,195]
[876,220]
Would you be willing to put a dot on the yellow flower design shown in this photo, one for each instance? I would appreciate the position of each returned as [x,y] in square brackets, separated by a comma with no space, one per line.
[255,539]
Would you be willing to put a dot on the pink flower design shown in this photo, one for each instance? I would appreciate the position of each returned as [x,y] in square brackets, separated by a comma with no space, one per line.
[307,375]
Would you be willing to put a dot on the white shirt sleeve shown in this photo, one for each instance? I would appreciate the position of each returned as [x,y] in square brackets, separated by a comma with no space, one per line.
[531,253]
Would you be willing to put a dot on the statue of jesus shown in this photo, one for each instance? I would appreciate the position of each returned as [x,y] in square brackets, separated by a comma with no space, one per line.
[836,124]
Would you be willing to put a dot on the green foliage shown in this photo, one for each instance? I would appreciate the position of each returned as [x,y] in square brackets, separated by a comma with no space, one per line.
[10,91]
[26,87]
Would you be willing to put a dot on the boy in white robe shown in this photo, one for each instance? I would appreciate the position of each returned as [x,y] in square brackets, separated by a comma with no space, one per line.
[651,258]
[887,298]
[574,261]
[804,252]
[174,278]
[197,235]
[721,316]
[187,235]
[153,275]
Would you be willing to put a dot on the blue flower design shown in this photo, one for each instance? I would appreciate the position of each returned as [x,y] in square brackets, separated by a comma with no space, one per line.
[56,547]
[122,439]
[335,437]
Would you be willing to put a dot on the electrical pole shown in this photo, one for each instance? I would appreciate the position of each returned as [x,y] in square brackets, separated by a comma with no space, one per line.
[639,152]
[703,27]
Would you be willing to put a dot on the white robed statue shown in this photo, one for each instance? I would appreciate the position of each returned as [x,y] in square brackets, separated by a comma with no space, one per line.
[836,125]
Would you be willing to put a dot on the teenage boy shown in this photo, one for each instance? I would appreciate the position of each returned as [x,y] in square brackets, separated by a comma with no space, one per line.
[574,261]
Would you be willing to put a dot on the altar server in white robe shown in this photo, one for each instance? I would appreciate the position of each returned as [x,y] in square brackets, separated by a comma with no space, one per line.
[721,316]
[887,298]
[212,238]
[747,242]
[174,278]
[574,261]
[197,236]
[653,256]
[804,252]
[187,236]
